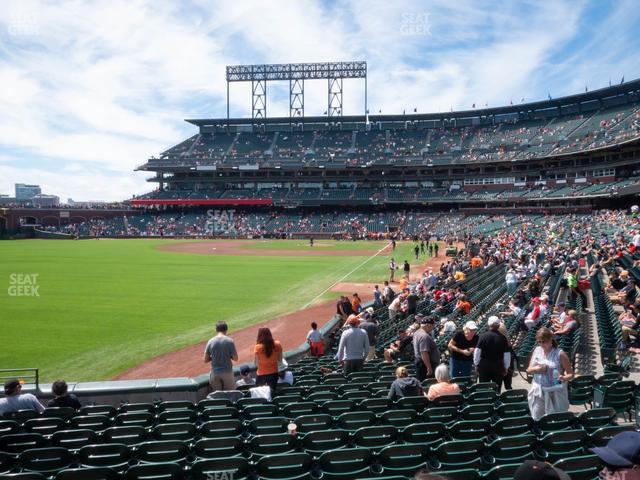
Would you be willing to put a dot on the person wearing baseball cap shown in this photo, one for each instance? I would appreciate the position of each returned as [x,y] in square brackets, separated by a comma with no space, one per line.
[425,350]
[535,470]
[15,400]
[621,456]
[461,348]
[491,356]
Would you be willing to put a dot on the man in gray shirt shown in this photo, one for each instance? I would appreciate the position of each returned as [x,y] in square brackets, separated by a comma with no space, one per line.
[220,351]
[16,400]
[425,349]
[353,347]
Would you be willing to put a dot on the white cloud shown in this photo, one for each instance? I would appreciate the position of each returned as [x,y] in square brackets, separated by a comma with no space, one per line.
[92,89]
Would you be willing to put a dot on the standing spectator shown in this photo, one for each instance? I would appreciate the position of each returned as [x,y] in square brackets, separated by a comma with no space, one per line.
[491,357]
[416,250]
[377,297]
[267,355]
[572,285]
[353,347]
[15,400]
[511,279]
[371,327]
[436,248]
[431,249]
[404,386]
[551,370]
[62,398]
[621,457]
[443,387]
[392,269]
[315,340]
[345,307]
[388,294]
[221,351]
[461,347]
[395,307]
[355,303]
[425,350]
[508,378]
[412,303]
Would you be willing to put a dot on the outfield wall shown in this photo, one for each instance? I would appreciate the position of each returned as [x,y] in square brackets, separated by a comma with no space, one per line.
[147,391]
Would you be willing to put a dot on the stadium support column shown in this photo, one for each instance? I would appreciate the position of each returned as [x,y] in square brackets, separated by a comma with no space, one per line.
[259,100]
[296,97]
[335,97]
[161,186]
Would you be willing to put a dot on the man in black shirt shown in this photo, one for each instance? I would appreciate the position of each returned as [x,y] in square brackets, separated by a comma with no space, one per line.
[63,399]
[491,357]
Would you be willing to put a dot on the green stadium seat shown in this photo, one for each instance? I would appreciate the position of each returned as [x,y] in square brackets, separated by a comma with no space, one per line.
[512,449]
[73,439]
[345,463]
[584,467]
[601,436]
[290,466]
[8,427]
[375,437]
[469,429]
[96,422]
[403,459]
[318,441]
[430,434]
[97,473]
[399,418]
[47,461]
[554,422]
[213,403]
[478,411]
[218,447]
[444,415]
[511,427]
[271,444]
[177,416]
[162,451]
[376,405]
[308,423]
[134,418]
[137,408]
[102,410]
[513,396]
[156,471]
[6,462]
[502,472]
[218,413]
[128,435]
[249,412]
[17,443]
[64,413]
[591,420]
[21,416]
[461,474]
[460,454]
[562,444]
[44,426]
[221,428]
[175,431]
[111,455]
[355,420]
[267,425]
[417,403]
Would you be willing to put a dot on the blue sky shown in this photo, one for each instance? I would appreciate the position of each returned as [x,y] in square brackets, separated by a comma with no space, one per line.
[90,90]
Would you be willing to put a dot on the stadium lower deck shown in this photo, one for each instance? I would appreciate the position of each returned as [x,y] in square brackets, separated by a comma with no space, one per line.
[346,426]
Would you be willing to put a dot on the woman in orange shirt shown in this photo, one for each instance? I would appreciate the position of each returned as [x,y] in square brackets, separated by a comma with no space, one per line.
[443,387]
[268,353]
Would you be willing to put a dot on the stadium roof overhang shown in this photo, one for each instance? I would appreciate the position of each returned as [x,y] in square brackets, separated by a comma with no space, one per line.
[600,94]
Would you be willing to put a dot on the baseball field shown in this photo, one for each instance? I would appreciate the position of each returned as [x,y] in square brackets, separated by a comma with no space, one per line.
[90,309]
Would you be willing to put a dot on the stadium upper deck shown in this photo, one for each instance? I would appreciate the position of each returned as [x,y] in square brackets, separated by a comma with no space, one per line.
[589,121]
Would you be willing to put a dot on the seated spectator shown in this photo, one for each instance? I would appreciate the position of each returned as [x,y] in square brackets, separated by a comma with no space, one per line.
[448,325]
[443,387]
[61,397]
[559,316]
[285,376]
[404,385]
[571,323]
[15,400]
[395,349]
[245,377]
[628,326]
[463,306]
[534,316]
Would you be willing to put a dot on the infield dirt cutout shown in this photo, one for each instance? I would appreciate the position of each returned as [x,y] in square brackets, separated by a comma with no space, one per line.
[289,329]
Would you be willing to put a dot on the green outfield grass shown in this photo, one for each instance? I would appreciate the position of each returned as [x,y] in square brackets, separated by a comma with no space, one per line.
[105,306]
